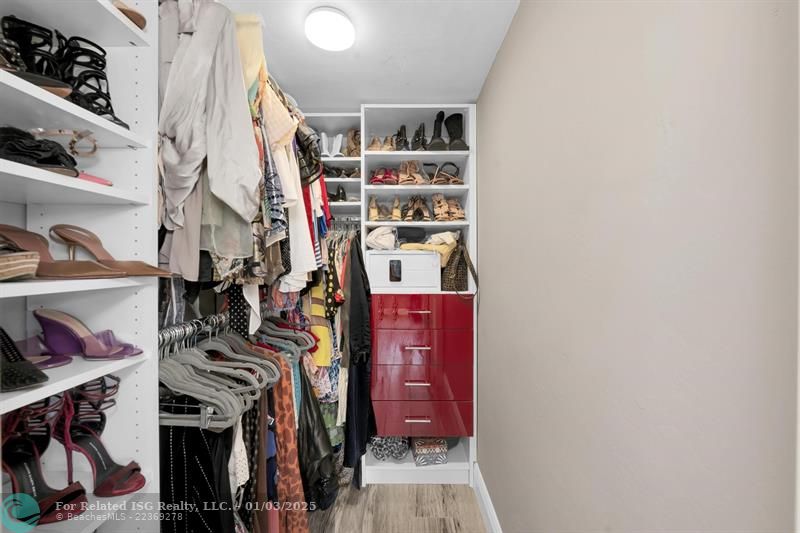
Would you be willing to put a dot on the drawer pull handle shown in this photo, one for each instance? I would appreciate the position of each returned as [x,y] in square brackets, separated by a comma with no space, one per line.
[426,312]
[417,384]
[417,421]
[421,348]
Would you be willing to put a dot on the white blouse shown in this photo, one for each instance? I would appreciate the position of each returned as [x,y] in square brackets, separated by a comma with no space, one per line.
[205,118]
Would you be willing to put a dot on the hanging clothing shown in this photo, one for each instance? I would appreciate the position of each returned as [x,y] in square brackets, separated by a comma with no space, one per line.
[204,117]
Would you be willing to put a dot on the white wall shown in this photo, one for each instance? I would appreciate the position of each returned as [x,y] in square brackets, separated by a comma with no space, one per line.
[638,243]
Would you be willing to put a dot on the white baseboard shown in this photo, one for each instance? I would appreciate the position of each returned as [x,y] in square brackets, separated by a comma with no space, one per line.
[485,503]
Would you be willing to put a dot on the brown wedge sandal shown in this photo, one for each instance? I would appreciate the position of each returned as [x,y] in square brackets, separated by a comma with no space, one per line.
[76,237]
[48,267]
[455,209]
[441,210]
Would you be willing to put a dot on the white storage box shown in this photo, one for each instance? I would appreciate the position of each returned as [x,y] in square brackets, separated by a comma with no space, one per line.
[404,271]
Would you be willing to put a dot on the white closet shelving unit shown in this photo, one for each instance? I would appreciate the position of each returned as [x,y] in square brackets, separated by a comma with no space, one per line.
[123,216]
[331,124]
[382,120]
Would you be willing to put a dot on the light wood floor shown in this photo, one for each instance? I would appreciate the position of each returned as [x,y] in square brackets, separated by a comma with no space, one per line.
[401,509]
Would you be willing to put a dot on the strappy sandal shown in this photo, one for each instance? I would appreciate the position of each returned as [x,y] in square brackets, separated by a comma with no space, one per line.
[390,177]
[22,147]
[373,214]
[455,209]
[384,213]
[11,61]
[451,177]
[76,237]
[422,208]
[441,210]
[433,174]
[396,214]
[408,209]
[405,176]
[374,144]
[49,267]
[377,177]
[414,168]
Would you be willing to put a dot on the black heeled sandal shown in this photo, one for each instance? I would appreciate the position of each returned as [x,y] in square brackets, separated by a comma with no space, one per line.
[26,436]
[419,142]
[83,66]
[401,140]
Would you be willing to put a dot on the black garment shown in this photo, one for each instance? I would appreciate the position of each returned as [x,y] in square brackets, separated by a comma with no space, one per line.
[360,331]
[360,423]
[194,470]
[238,310]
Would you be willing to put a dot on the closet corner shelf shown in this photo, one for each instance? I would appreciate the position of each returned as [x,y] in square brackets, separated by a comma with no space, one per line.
[99,516]
[37,287]
[66,377]
[456,470]
[27,106]
[23,184]
[452,224]
[343,205]
[109,27]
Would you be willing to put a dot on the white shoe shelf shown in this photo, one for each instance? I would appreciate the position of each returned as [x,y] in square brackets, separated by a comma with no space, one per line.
[123,216]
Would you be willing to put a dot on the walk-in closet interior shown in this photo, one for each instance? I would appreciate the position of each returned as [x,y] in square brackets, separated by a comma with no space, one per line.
[242,288]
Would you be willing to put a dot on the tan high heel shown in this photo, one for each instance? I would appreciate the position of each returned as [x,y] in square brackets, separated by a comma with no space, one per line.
[405,177]
[415,170]
[373,210]
[353,148]
[422,205]
[455,210]
[76,237]
[374,145]
[388,144]
[396,216]
[441,210]
[50,268]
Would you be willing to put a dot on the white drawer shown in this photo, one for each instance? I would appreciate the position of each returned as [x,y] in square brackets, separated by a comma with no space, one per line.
[418,270]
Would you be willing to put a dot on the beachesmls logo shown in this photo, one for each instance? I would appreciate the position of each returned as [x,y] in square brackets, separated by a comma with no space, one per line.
[20,513]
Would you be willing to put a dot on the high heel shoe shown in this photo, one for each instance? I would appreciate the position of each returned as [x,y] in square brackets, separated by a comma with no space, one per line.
[341,194]
[336,147]
[17,372]
[75,236]
[441,211]
[437,143]
[388,144]
[374,145]
[401,144]
[353,148]
[419,142]
[66,335]
[455,131]
[49,267]
[26,436]
[79,430]
[373,213]
[324,145]
[455,210]
[396,214]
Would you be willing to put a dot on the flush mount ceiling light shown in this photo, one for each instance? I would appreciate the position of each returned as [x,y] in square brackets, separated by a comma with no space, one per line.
[330,29]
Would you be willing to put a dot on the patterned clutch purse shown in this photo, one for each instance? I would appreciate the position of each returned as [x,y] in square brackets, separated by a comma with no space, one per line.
[429,451]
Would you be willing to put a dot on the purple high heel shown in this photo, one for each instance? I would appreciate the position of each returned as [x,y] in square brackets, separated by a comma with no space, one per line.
[34,350]
[66,335]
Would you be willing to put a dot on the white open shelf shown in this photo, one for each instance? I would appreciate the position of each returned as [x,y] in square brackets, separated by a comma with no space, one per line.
[456,470]
[354,181]
[343,204]
[66,377]
[451,224]
[107,26]
[417,154]
[23,184]
[27,106]
[455,189]
[341,159]
[37,287]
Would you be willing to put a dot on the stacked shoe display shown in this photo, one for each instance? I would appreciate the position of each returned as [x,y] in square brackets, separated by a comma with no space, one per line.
[419,142]
[74,61]
[417,209]
[77,420]
[341,145]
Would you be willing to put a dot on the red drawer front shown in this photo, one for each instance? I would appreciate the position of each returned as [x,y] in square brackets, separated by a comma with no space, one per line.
[423,419]
[421,311]
[422,347]
[422,383]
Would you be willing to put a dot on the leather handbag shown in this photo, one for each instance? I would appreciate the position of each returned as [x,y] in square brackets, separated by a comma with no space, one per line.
[455,276]
[317,462]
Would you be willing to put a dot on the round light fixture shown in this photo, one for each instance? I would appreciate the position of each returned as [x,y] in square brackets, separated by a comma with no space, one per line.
[330,29]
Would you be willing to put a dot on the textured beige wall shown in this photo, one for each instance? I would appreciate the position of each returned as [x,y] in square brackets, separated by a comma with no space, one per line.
[638,254]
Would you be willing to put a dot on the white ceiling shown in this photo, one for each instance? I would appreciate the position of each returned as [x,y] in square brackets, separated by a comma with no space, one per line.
[406,51]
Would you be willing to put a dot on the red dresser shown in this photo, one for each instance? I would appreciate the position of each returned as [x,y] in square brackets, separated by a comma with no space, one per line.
[422,364]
